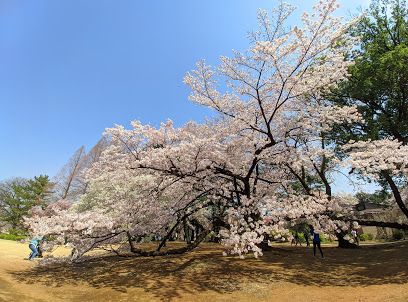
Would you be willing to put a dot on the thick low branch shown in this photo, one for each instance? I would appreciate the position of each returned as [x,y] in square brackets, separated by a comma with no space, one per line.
[181,250]
[100,240]
[382,224]
[179,220]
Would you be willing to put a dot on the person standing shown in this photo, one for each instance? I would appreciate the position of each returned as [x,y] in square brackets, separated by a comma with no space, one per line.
[306,235]
[297,239]
[316,242]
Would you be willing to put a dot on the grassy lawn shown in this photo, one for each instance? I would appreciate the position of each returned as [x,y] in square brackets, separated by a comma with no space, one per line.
[12,237]
[372,273]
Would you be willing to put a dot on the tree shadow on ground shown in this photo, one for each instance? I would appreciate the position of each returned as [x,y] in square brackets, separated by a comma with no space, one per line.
[205,269]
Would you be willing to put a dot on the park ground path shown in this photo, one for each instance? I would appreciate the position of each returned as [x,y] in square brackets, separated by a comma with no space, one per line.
[372,273]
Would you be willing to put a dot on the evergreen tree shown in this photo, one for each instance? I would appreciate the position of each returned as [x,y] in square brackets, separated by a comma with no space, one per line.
[18,196]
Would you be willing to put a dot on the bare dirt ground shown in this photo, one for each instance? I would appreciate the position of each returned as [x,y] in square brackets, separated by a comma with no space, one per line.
[372,273]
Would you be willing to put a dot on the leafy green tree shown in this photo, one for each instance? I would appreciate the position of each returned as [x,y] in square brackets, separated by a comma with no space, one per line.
[378,84]
[18,196]
[380,197]
[38,189]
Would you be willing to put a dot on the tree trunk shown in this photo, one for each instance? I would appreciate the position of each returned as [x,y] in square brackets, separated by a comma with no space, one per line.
[396,193]
[345,244]
[264,244]
[187,232]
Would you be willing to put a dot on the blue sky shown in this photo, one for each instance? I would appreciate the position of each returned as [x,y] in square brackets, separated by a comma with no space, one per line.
[71,68]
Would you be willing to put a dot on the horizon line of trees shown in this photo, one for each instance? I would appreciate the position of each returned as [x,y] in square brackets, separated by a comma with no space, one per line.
[19,195]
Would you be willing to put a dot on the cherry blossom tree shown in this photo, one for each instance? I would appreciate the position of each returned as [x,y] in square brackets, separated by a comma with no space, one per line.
[263,161]
[386,158]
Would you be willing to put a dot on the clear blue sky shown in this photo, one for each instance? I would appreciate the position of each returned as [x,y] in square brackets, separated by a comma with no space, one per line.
[71,68]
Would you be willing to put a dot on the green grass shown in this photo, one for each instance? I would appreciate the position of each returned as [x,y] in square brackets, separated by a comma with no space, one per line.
[366,237]
[12,237]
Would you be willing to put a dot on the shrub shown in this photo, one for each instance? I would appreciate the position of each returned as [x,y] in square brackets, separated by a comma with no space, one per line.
[302,237]
[16,232]
[325,239]
[366,236]
[398,235]
[12,237]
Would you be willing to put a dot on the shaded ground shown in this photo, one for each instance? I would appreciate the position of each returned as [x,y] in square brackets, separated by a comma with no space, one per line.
[373,273]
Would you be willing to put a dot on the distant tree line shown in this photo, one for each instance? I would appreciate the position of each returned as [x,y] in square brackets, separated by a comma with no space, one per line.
[19,195]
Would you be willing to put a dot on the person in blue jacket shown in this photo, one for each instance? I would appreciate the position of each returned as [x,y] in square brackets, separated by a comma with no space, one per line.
[34,243]
[316,241]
